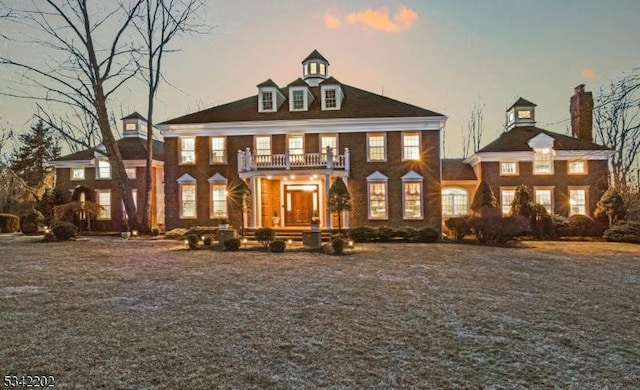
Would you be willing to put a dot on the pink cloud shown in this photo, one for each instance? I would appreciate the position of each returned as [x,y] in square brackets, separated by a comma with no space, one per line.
[380,19]
[332,21]
[588,74]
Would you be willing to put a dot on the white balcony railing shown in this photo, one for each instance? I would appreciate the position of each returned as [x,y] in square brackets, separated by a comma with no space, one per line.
[250,161]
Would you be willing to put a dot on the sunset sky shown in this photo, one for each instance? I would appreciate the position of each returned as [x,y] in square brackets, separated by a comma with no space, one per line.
[441,55]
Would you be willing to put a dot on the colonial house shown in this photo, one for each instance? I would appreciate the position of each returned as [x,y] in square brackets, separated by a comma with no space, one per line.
[290,143]
[568,174]
[86,176]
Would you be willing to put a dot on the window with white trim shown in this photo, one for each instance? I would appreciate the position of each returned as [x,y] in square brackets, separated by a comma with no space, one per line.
[578,201]
[330,140]
[77,173]
[411,146]
[104,169]
[218,200]
[296,144]
[330,99]
[103,198]
[263,145]
[218,150]
[314,68]
[378,200]
[376,148]
[323,69]
[298,100]
[455,202]
[508,168]
[412,196]
[506,198]
[187,200]
[544,196]
[267,101]
[543,161]
[187,150]
[578,167]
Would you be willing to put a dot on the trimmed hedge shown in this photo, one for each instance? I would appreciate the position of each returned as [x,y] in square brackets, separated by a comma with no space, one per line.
[231,244]
[192,241]
[265,236]
[389,233]
[338,246]
[9,223]
[64,231]
[277,246]
[581,224]
[628,231]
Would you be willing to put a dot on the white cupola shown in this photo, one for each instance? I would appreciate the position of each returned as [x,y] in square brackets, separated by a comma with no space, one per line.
[315,68]
[521,113]
[134,125]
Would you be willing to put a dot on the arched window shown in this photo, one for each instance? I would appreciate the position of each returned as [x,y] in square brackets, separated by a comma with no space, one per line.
[455,202]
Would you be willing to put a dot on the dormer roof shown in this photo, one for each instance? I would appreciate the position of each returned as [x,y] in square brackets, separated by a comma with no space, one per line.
[267,83]
[315,55]
[522,103]
[134,115]
[330,81]
[299,82]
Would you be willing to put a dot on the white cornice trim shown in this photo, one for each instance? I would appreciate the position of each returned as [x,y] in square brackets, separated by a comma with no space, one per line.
[528,156]
[91,163]
[340,125]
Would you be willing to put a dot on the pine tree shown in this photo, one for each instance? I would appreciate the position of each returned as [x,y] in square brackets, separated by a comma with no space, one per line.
[612,206]
[30,161]
[484,200]
[339,199]
[522,202]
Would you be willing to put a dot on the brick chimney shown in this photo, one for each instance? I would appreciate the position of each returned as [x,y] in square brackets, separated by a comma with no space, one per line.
[581,109]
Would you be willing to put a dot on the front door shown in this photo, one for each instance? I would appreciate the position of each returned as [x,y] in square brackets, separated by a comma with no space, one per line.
[299,206]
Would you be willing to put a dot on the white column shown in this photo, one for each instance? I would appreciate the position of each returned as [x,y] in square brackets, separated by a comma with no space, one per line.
[255,198]
[327,213]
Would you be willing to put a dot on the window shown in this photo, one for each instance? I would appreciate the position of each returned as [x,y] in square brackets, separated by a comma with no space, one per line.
[577,167]
[306,69]
[330,98]
[104,201]
[455,202]
[187,200]
[314,68]
[267,101]
[545,198]
[577,201]
[508,168]
[323,69]
[77,173]
[104,169]
[524,114]
[131,173]
[263,145]
[376,150]
[330,140]
[412,200]
[130,126]
[543,161]
[506,198]
[378,200]
[218,150]
[296,144]
[411,146]
[187,150]
[218,200]
[298,100]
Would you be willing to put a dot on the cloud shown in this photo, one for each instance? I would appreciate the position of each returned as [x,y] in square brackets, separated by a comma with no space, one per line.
[588,74]
[378,19]
[332,21]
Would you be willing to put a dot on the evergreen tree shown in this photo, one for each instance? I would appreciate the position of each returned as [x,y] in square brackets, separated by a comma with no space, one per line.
[484,200]
[339,199]
[612,206]
[522,201]
[30,160]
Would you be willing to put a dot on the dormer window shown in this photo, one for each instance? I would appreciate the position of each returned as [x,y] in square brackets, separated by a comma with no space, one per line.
[332,94]
[298,100]
[267,101]
[269,97]
[330,98]
[543,161]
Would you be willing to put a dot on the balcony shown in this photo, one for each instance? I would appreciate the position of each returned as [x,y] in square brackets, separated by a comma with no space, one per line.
[250,161]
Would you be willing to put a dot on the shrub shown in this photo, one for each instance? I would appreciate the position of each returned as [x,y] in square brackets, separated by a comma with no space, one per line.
[611,205]
[29,222]
[265,236]
[64,231]
[407,233]
[624,232]
[426,234]
[484,200]
[192,241]
[9,223]
[459,227]
[580,224]
[201,231]
[207,239]
[498,229]
[385,233]
[231,244]
[561,225]
[338,246]
[540,222]
[362,234]
[155,231]
[277,246]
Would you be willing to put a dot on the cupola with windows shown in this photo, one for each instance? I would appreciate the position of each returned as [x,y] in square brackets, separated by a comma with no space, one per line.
[315,68]
[521,113]
[134,125]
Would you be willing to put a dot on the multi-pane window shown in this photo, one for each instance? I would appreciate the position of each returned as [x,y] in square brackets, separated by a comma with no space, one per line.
[219,200]
[187,200]
[378,200]
[578,201]
[577,167]
[412,200]
[187,150]
[330,140]
[77,173]
[104,169]
[506,198]
[542,161]
[410,146]
[330,98]
[323,69]
[296,144]
[314,68]
[104,201]
[455,202]
[263,145]
[298,100]
[218,150]
[267,101]
[509,168]
[376,147]
[544,197]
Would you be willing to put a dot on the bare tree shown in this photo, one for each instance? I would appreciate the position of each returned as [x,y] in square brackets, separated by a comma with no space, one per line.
[472,137]
[77,128]
[159,23]
[617,123]
[88,60]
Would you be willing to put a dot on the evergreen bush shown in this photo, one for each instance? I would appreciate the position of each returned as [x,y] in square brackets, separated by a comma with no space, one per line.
[362,234]
[628,231]
[64,231]
[580,224]
[385,233]
[459,227]
[338,246]
[192,241]
[426,234]
[277,246]
[265,236]
[9,223]
[29,222]
[612,206]
[232,244]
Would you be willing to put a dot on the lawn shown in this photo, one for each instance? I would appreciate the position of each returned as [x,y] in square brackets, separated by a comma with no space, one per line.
[107,313]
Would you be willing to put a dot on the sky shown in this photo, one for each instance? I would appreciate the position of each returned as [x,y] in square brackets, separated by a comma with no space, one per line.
[442,55]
